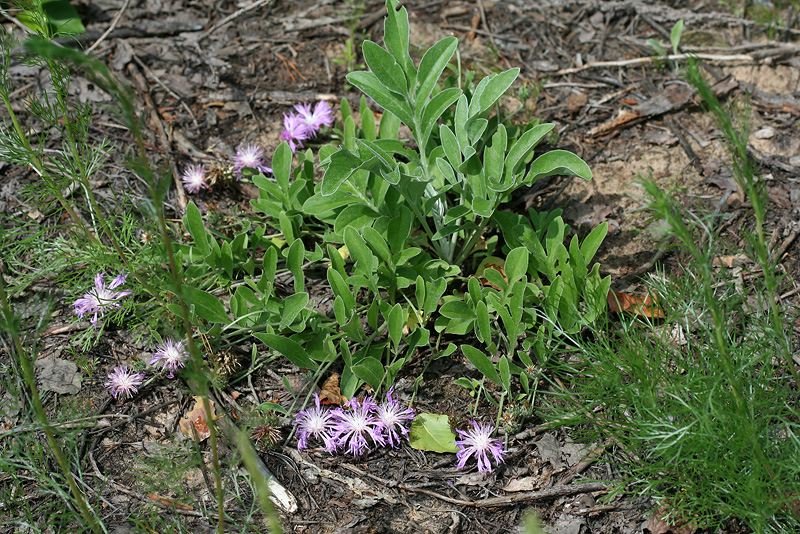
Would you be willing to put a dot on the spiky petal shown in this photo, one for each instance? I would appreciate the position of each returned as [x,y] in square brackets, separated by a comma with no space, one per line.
[478,441]
[316,422]
[357,429]
[101,298]
[395,418]
[171,354]
[124,381]
[194,179]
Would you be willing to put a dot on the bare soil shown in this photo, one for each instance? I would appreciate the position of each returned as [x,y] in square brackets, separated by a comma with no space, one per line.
[204,89]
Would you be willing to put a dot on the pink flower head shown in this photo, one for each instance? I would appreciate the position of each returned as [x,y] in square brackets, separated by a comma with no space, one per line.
[479,441]
[124,381]
[171,354]
[295,131]
[101,298]
[356,426]
[321,116]
[315,422]
[194,179]
[395,419]
[251,156]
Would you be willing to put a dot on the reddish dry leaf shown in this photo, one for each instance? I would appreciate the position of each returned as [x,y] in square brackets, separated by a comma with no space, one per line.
[657,525]
[619,302]
[169,502]
[330,393]
[497,264]
[197,419]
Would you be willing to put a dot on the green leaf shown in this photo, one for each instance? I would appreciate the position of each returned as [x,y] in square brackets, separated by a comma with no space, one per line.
[370,370]
[395,37]
[505,373]
[389,127]
[206,306]
[593,241]
[226,259]
[369,83]
[516,264]
[282,166]
[395,322]
[367,120]
[489,90]
[378,244]
[457,309]
[450,146]
[430,68]
[385,67]
[434,109]
[293,351]
[61,17]
[358,249]
[558,162]
[431,432]
[675,36]
[193,222]
[342,165]
[292,306]
[341,289]
[481,362]
[522,148]
[294,262]
[484,330]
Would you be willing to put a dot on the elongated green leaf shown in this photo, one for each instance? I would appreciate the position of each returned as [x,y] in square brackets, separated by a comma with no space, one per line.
[341,289]
[558,162]
[377,243]
[292,306]
[505,373]
[395,323]
[385,67]
[370,370]
[395,37]
[481,362]
[282,166]
[490,90]
[457,309]
[450,146]
[359,250]
[389,127]
[523,146]
[226,259]
[206,306]
[516,264]
[373,88]
[432,432]
[193,222]
[294,262]
[593,241]
[342,165]
[434,109]
[293,351]
[484,330]
[61,17]
[430,68]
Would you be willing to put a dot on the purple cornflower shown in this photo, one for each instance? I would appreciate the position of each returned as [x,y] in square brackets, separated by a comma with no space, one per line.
[479,441]
[124,381]
[316,422]
[251,156]
[295,131]
[101,298]
[321,116]
[394,418]
[194,179]
[355,424]
[171,353]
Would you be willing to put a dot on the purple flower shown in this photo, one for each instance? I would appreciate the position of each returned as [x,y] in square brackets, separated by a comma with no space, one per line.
[251,156]
[194,179]
[355,424]
[479,441]
[394,418]
[295,131]
[171,354]
[315,422]
[124,381]
[101,298]
[321,116]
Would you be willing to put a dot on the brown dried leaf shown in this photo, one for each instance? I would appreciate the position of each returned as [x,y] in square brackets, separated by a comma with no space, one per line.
[331,394]
[657,525]
[198,420]
[619,302]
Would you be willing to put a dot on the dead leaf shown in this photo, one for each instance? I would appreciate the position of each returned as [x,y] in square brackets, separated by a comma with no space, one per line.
[169,502]
[522,484]
[495,263]
[331,394]
[58,375]
[197,418]
[735,260]
[657,525]
[619,302]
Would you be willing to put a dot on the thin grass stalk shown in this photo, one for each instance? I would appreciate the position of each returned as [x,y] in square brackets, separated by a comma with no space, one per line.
[30,382]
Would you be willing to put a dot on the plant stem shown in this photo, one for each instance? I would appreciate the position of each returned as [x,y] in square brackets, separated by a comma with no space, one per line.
[30,382]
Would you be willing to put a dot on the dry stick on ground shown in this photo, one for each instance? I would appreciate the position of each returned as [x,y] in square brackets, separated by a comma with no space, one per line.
[234,16]
[644,60]
[111,27]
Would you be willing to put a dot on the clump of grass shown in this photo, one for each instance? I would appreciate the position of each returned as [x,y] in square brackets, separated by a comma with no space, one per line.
[703,407]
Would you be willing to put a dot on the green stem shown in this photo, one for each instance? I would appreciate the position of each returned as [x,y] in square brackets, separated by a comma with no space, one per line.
[30,382]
